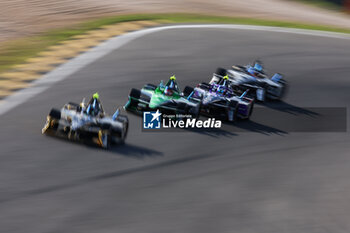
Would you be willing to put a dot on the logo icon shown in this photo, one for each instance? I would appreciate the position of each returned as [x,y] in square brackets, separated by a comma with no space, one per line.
[151,120]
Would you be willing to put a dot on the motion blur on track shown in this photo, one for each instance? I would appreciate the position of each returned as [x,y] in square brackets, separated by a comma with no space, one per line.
[252,176]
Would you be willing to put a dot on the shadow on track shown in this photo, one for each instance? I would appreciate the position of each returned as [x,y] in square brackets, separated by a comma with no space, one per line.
[252,126]
[134,151]
[108,175]
[213,132]
[126,149]
[289,108]
[229,130]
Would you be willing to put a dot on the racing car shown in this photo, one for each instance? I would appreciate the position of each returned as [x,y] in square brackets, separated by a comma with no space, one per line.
[254,79]
[166,98]
[220,101]
[87,122]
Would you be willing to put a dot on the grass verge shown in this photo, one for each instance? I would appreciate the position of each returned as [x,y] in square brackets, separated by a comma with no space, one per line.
[17,51]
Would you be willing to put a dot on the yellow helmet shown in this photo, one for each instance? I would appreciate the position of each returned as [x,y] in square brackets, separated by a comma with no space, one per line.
[96,96]
[173,78]
[225,77]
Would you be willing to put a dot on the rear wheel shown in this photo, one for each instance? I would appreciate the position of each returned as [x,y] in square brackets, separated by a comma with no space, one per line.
[134,97]
[221,71]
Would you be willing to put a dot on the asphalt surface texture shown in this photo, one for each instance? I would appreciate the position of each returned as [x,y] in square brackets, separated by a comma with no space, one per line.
[259,178]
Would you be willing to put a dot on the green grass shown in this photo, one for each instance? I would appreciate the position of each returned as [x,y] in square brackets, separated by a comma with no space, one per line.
[17,51]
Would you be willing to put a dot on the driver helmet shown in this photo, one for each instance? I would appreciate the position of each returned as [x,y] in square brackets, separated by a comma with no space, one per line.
[94,106]
[168,91]
[225,80]
[256,69]
[258,66]
[172,82]
[221,90]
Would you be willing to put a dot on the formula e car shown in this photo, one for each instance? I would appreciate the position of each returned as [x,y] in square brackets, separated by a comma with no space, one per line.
[253,77]
[87,122]
[220,101]
[166,98]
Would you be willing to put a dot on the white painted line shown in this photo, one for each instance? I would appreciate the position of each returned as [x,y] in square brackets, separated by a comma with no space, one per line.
[66,70]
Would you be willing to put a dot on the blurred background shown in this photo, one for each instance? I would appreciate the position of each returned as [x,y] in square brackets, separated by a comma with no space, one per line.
[24,17]
[260,179]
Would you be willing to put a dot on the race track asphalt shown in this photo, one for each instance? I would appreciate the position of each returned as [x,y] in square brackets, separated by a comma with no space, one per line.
[251,177]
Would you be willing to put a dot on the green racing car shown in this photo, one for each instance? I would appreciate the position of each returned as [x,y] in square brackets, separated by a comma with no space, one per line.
[168,99]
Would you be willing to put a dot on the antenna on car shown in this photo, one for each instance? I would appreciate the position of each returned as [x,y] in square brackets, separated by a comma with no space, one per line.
[83,103]
[115,115]
[244,93]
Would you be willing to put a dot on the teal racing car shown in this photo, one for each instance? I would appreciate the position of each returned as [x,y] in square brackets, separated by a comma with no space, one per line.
[168,99]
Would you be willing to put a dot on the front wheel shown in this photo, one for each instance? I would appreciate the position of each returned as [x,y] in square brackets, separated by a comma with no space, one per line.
[134,97]
[187,91]
[232,111]
[284,88]
[52,121]
[261,94]
[221,71]
[250,111]
[123,119]
[195,111]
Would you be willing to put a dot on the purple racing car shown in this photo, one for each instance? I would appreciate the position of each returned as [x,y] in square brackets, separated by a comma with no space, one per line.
[220,101]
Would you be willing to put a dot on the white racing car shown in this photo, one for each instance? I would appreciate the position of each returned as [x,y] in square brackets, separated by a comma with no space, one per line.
[87,122]
[254,79]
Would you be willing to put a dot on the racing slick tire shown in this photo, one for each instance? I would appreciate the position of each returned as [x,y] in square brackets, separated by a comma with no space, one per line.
[195,111]
[52,121]
[118,134]
[73,135]
[284,90]
[221,71]
[232,111]
[187,91]
[250,112]
[125,121]
[135,94]
[260,94]
[55,114]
